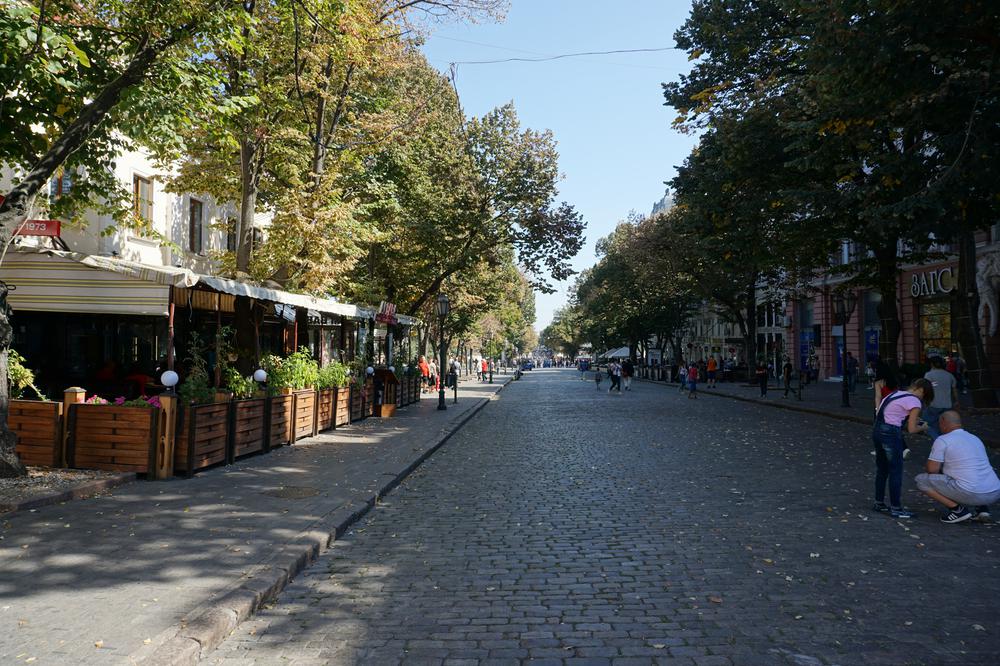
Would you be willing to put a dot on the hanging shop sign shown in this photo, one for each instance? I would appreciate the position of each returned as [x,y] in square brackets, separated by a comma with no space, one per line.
[933,282]
[386,314]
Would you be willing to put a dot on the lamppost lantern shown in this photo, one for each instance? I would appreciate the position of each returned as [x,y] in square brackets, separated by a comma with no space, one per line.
[369,371]
[260,376]
[169,379]
[442,307]
[850,302]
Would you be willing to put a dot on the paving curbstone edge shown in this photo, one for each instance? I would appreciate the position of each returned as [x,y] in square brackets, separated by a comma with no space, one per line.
[199,636]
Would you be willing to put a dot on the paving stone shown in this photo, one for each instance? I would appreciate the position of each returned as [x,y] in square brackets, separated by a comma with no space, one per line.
[565,525]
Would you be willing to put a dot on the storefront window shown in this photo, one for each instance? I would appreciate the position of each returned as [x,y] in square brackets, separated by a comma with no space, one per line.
[935,329]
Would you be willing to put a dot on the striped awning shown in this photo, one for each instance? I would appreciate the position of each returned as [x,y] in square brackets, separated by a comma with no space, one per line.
[53,282]
[61,281]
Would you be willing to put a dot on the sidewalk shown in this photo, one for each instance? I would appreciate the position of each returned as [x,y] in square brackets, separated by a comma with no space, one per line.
[111,580]
[825,397]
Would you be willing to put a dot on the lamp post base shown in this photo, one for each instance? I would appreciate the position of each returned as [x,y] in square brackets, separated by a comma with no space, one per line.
[441,400]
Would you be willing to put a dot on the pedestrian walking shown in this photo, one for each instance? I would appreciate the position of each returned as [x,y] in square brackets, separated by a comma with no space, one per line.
[433,378]
[598,375]
[682,376]
[786,375]
[615,375]
[692,376]
[710,371]
[898,410]
[484,368]
[852,373]
[761,375]
[627,371]
[425,373]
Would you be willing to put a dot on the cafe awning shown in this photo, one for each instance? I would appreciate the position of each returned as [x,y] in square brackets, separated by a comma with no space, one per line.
[62,281]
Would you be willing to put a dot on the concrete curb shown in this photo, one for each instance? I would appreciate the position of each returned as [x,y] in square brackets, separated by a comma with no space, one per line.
[82,491]
[211,624]
[792,407]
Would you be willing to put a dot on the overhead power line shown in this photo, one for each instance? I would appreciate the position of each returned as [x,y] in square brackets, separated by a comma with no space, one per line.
[562,55]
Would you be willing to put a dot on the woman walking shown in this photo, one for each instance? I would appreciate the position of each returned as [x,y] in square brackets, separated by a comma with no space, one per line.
[898,410]
[692,381]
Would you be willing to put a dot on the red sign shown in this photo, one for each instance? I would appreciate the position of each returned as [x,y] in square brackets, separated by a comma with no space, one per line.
[386,314]
[38,228]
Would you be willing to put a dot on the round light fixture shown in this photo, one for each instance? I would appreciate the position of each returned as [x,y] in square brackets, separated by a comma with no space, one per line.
[260,375]
[169,379]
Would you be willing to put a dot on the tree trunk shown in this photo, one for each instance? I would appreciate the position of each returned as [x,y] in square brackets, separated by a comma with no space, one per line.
[249,178]
[247,341]
[750,329]
[965,305]
[888,310]
[10,463]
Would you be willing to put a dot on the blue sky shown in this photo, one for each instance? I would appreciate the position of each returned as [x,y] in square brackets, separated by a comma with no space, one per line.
[615,141]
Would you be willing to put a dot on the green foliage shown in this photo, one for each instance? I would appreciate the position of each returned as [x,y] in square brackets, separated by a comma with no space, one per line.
[241,387]
[197,386]
[20,377]
[333,375]
[297,371]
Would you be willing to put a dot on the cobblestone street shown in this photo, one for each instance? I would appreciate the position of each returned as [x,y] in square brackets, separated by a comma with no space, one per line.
[566,525]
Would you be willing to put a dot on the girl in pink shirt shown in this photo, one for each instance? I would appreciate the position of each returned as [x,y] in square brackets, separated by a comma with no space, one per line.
[898,410]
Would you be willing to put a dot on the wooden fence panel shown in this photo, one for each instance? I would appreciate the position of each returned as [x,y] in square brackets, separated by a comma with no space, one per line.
[202,436]
[248,427]
[326,409]
[38,426]
[343,407]
[281,420]
[303,414]
[120,439]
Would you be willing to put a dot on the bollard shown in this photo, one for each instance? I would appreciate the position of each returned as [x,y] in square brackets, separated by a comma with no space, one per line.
[71,396]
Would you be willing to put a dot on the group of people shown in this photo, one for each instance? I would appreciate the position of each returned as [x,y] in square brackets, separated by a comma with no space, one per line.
[958,473]
[617,373]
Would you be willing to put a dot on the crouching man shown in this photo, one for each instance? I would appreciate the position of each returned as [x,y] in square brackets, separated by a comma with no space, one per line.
[959,474]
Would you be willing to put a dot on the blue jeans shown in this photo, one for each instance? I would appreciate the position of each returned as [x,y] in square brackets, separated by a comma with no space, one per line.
[888,462]
[931,415]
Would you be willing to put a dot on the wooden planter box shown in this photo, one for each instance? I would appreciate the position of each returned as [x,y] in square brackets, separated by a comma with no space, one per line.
[248,427]
[369,409]
[416,388]
[38,426]
[326,409]
[342,409]
[356,400]
[280,420]
[121,439]
[202,436]
[303,414]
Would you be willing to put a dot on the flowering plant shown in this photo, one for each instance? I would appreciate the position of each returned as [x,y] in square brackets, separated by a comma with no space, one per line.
[96,400]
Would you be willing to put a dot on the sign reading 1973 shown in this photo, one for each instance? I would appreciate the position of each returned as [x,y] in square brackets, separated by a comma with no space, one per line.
[932,282]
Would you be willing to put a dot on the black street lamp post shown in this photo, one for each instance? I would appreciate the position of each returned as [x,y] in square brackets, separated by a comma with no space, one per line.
[441,308]
[843,305]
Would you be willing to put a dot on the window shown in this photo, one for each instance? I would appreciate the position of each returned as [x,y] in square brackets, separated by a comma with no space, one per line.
[195,223]
[256,238]
[60,184]
[142,198]
[935,328]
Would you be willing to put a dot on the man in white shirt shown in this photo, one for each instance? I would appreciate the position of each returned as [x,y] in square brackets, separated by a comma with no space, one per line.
[959,474]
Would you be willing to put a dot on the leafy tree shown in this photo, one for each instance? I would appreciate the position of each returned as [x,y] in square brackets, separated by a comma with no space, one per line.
[78,77]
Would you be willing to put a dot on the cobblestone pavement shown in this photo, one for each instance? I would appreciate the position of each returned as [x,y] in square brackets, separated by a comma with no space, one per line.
[107,580]
[566,525]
